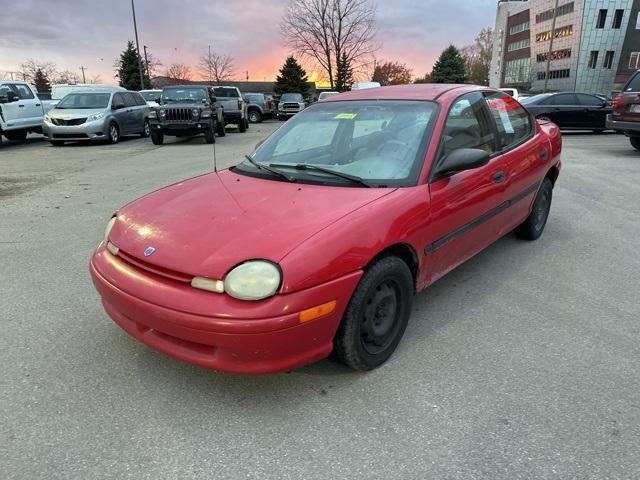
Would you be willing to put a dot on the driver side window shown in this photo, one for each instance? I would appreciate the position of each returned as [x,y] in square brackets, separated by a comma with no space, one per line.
[467,126]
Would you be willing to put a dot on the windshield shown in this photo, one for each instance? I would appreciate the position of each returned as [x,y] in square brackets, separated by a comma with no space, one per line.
[184,94]
[382,142]
[291,97]
[324,95]
[85,101]
[151,96]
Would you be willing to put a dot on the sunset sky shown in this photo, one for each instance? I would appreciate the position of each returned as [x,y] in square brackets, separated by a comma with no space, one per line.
[92,33]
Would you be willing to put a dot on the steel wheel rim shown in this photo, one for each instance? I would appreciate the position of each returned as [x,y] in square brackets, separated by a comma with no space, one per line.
[114,133]
[253,117]
[380,321]
[147,128]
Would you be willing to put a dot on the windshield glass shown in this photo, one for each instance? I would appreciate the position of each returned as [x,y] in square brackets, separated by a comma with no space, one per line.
[85,100]
[150,96]
[380,141]
[184,94]
[291,97]
[324,95]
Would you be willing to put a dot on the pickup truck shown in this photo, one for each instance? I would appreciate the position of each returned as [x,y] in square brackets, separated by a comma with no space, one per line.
[625,117]
[234,108]
[21,111]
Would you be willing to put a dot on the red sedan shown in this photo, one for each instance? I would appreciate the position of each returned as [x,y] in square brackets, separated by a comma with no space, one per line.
[318,241]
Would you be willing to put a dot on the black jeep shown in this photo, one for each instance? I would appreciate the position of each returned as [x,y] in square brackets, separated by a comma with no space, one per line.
[186,110]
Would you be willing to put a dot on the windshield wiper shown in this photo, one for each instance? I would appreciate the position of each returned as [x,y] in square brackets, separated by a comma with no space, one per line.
[307,166]
[269,168]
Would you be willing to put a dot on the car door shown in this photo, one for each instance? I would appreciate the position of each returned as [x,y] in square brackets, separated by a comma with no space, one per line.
[523,153]
[11,111]
[29,104]
[595,110]
[140,110]
[565,111]
[466,208]
[123,117]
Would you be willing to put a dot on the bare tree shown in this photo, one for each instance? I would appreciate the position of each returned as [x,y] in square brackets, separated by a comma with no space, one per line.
[325,30]
[95,79]
[177,72]
[216,66]
[29,68]
[477,57]
[152,65]
[67,76]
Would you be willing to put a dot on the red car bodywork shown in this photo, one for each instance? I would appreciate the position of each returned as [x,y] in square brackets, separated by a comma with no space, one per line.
[322,237]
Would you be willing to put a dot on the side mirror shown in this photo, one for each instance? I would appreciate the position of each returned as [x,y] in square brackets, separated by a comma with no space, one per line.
[213,99]
[8,97]
[158,100]
[462,159]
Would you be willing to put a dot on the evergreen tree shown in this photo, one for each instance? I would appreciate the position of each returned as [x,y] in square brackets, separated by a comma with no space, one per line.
[450,67]
[292,78]
[129,70]
[344,75]
[41,82]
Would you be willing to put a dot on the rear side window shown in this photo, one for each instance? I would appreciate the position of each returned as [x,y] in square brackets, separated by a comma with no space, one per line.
[467,126]
[512,120]
[129,99]
[24,92]
[634,83]
[564,99]
[138,98]
[226,92]
[589,100]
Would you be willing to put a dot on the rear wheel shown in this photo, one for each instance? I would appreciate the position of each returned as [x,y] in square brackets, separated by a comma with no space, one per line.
[114,133]
[635,142]
[146,130]
[376,316]
[16,136]
[210,134]
[157,137]
[533,226]
[242,125]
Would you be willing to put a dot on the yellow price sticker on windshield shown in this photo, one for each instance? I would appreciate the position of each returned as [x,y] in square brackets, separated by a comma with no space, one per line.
[345,116]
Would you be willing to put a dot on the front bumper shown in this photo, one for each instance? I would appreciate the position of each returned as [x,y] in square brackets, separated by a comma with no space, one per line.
[619,125]
[287,113]
[239,337]
[177,128]
[96,130]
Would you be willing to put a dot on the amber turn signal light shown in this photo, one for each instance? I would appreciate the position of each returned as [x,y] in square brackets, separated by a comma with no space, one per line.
[315,312]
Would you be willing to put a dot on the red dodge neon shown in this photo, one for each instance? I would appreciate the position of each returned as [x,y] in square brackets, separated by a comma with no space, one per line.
[318,241]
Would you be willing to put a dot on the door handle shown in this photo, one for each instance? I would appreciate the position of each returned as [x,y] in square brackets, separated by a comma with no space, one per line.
[21,106]
[498,177]
[37,104]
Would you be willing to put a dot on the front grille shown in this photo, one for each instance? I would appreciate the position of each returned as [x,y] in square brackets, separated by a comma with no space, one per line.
[163,272]
[73,121]
[179,114]
[291,106]
[70,135]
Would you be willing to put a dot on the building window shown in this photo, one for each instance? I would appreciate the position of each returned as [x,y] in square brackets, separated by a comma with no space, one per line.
[638,21]
[553,74]
[558,33]
[555,55]
[593,59]
[617,18]
[608,59]
[602,18]
[548,14]
[521,27]
[520,44]
[634,60]
[516,71]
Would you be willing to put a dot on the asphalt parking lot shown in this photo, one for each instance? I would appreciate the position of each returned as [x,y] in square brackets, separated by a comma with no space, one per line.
[522,363]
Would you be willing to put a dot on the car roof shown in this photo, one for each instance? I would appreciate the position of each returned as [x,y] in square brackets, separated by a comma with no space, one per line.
[423,91]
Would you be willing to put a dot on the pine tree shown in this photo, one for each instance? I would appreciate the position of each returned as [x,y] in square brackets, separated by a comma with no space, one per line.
[129,70]
[344,75]
[449,68]
[41,82]
[292,78]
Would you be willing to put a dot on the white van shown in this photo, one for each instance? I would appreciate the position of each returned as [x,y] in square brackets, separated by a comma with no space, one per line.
[61,90]
[363,85]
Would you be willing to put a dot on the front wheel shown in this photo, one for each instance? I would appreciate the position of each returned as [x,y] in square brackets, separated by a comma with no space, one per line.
[157,137]
[376,316]
[146,129]
[533,226]
[114,133]
[635,142]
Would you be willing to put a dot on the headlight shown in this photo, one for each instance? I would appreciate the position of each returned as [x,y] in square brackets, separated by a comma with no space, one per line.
[195,112]
[162,113]
[47,118]
[95,116]
[253,280]
[108,229]
[152,114]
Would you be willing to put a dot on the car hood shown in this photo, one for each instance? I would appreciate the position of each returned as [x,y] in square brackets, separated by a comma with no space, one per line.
[206,225]
[69,113]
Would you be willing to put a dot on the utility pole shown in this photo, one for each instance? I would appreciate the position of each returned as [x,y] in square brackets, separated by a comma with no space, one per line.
[247,75]
[83,69]
[146,61]
[209,64]
[135,29]
[553,34]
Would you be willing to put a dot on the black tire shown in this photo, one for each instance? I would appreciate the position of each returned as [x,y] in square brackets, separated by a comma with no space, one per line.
[57,143]
[210,134]
[255,116]
[17,136]
[146,129]
[377,315]
[533,226]
[157,137]
[221,129]
[242,125]
[635,142]
[114,133]
[544,118]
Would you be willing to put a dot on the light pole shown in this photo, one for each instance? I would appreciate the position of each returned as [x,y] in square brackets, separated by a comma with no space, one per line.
[146,61]
[135,29]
